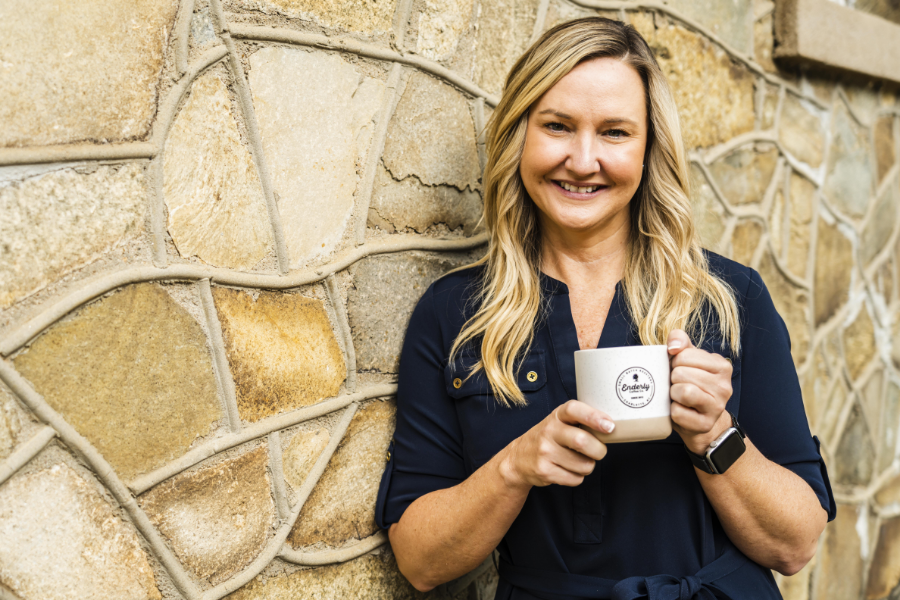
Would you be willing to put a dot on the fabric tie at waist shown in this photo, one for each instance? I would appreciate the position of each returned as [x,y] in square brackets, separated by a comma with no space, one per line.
[549,585]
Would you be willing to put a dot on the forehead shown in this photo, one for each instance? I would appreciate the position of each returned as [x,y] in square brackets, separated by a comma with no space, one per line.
[598,88]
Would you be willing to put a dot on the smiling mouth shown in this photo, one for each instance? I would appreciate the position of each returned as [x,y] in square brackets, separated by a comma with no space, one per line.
[578,189]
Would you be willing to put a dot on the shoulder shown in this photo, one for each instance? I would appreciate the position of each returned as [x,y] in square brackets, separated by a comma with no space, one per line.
[745,283]
[451,297]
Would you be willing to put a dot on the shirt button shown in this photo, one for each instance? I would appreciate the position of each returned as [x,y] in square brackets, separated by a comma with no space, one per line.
[389,456]
[532,376]
[457,383]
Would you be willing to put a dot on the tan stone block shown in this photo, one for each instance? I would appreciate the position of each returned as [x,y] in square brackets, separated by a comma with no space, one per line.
[776,222]
[744,241]
[85,71]
[441,25]
[763,43]
[57,222]
[730,20]
[217,210]
[889,494]
[217,518]
[301,454]
[316,116]
[859,343]
[840,571]
[504,28]
[885,156]
[888,424]
[62,540]
[9,423]
[849,179]
[871,399]
[709,214]
[855,455]
[770,107]
[370,577]
[342,505]
[714,94]
[816,388]
[884,572]
[879,226]
[281,349]
[385,292]
[407,204]
[884,281]
[834,264]
[432,136]
[802,203]
[560,11]
[791,302]
[132,373]
[744,175]
[801,130]
[364,16]
[895,343]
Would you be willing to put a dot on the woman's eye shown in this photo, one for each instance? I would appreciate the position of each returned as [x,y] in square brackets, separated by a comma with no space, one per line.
[557,127]
[616,133]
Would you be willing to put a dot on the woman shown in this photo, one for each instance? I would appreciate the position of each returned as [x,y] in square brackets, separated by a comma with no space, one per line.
[592,244]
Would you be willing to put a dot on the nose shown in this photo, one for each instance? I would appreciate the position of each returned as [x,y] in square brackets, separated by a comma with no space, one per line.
[584,157]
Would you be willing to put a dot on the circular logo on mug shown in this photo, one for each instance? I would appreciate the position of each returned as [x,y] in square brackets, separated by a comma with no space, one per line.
[635,387]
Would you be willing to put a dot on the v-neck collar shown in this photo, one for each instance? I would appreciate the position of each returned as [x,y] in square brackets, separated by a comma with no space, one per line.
[617,330]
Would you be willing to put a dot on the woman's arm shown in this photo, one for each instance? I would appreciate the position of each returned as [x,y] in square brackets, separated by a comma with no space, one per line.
[449,532]
[771,514]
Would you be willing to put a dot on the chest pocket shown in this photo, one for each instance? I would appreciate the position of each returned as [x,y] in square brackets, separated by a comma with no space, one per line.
[487,425]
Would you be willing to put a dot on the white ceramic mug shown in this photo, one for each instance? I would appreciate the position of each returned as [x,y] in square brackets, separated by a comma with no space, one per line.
[631,385]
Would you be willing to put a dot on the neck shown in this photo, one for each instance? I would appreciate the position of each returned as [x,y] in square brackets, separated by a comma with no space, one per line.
[586,257]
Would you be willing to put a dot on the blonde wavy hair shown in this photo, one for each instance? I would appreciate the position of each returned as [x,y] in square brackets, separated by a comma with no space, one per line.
[667,280]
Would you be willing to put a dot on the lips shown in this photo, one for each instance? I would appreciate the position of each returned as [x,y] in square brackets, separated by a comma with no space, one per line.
[576,189]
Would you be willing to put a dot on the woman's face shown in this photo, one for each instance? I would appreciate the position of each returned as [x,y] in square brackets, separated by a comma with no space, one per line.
[584,149]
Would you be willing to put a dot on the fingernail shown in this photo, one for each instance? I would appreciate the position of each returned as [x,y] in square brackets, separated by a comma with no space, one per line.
[674,344]
[607,426]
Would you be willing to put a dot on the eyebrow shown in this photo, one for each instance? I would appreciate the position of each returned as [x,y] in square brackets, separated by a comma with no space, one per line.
[610,121]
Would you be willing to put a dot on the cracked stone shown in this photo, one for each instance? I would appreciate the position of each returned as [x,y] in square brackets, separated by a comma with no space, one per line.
[770,107]
[560,11]
[763,43]
[62,540]
[884,146]
[834,264]
[385,292]
[744,241]
[714,94]
[870,399]
[895,347]
[889,422]
[364,16]
[217,211]
[776,222]
[802,203]
[859,343]
[316,116]
[504,28]
[281,349]
[840,571]
[709,214]
[801,131]
[58,222]
[729,19]
[441,26]
[791,303]
[132,373]
[218,518]
[409,204]
[848,184]
[884,572]
[9,423]
[889,494]
[744,175]
[815,388]
[432,136]
[301,454]
[879,227]
[342,505]
[855,453]
[202,31]
[85,71]
[370,577]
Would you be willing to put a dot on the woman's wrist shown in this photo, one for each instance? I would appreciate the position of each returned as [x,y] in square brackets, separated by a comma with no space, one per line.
[699,443]
[506,465]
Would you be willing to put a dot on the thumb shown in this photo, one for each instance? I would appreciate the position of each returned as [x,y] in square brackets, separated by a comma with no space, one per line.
[678,341]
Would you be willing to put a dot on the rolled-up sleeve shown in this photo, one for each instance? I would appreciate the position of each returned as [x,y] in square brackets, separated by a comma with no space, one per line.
[771,406]
[426,451]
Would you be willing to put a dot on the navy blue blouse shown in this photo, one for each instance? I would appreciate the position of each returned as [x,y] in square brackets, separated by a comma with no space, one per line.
[642,512]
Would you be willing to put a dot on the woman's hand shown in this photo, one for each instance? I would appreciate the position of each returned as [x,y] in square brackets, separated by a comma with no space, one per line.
[701,387]
[556,450]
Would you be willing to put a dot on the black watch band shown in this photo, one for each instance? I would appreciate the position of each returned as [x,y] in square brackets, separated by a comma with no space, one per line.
[723,452]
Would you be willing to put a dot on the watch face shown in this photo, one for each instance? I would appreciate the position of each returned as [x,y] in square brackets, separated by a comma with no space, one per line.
[728,451]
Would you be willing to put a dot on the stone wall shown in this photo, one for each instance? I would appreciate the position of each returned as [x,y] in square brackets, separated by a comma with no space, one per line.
[217,216]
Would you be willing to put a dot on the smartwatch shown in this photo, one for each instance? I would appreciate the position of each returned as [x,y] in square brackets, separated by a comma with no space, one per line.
[723,452]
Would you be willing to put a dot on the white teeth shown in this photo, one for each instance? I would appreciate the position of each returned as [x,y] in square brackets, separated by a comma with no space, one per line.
[580,190]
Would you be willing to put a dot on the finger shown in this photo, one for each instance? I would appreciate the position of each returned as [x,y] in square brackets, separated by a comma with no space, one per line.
[678,341]
[574,412]
[581,441]
[552,457]
[692,421]
[717,385]
[701,359]
[693,397]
